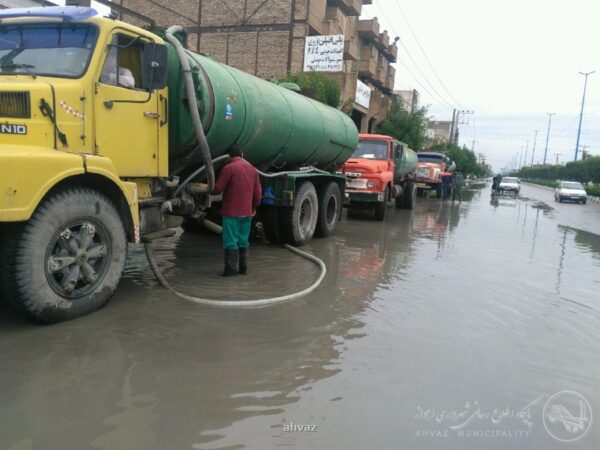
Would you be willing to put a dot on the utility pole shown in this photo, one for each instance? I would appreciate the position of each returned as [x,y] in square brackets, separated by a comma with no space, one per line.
[548,135]
[525,156]
[581,112]
[452,127]
[473,146]
[557,155]
[584,152]
[533,150]
[455,121]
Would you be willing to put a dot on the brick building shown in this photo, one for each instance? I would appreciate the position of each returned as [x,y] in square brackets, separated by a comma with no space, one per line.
[267,38]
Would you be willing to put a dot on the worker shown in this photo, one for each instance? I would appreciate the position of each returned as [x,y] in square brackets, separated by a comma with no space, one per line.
[239,183]
[496,183]
[459,182]
[446,184]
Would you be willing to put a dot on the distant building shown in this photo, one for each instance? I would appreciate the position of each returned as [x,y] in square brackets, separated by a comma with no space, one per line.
[268,39]
[410,99]
[439,131]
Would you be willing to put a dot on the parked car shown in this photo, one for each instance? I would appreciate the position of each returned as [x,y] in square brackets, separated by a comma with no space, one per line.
[510,184]
[570,190]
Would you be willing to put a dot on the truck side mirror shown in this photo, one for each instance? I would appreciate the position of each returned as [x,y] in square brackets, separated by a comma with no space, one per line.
[154,67]
[397,152]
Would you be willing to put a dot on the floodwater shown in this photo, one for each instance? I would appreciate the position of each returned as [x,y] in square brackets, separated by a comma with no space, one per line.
[453,326]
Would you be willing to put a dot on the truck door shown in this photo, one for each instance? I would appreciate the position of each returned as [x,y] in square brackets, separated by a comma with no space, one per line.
[126,116]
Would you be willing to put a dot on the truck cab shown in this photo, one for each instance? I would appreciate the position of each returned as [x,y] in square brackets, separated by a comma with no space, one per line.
[377,172]
[430,167]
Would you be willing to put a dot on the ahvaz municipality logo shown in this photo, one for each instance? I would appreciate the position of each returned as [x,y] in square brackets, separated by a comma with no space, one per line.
[567,416]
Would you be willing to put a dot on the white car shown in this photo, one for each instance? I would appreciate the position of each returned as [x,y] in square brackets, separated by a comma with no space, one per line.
[510,184]
[570,190]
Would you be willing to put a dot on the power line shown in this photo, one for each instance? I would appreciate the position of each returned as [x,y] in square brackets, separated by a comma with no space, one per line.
[424,88]
[439,98]
[425,54]
[424,76]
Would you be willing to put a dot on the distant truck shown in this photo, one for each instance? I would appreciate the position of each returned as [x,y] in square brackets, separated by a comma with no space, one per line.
[381,169]
[430,167]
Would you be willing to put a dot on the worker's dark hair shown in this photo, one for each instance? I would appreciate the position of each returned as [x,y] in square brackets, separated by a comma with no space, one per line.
[235,150]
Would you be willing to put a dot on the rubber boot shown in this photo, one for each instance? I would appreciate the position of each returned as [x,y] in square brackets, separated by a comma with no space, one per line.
[231,262]
[243,261]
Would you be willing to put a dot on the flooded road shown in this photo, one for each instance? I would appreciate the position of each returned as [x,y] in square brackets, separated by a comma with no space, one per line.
[453,326]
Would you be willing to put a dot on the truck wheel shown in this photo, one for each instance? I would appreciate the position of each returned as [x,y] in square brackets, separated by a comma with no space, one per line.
[330,207]
[408,197]
[381,208]
[68,259]
[300,222]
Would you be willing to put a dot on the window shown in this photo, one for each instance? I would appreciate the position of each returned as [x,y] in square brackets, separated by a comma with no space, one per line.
[123,66]
[55,49]
[372,150]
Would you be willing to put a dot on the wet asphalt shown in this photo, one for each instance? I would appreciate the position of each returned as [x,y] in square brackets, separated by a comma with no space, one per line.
[471,325]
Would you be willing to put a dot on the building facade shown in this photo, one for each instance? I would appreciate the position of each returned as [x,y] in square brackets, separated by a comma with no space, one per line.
[267,38]
[410,99]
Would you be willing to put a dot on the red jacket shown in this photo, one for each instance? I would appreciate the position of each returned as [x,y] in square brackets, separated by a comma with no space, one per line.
[239,183]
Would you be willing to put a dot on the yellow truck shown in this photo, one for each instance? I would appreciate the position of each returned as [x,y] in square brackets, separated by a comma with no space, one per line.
[111,134]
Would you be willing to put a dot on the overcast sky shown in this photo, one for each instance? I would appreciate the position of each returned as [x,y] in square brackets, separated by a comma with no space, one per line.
[509,61]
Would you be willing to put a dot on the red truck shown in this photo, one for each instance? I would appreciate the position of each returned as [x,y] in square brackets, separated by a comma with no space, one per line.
[430,167]
[381,169]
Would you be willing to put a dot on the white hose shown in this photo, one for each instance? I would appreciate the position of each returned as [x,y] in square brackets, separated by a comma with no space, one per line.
[239,303]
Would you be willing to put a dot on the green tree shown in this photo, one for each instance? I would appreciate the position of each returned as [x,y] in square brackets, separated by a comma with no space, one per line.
[408,127]
[317,86]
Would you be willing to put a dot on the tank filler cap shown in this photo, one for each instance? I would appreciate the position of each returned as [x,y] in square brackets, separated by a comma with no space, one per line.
[291,86]
[66,13]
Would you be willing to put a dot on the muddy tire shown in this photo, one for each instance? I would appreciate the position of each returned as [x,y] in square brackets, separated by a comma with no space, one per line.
[330,209]
[381,208]
[68,259]
[300,222]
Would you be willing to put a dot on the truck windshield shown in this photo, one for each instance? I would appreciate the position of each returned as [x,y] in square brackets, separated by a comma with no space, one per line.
[371,150]
[427,157]
[55,49]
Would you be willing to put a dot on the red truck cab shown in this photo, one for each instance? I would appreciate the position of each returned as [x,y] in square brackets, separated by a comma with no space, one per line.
[373,175]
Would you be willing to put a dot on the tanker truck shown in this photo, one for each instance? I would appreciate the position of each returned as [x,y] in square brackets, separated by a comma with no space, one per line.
[381,169]
[111,134]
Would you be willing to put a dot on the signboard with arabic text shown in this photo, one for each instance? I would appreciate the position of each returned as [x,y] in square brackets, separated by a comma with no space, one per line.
[363,94]
[324,53]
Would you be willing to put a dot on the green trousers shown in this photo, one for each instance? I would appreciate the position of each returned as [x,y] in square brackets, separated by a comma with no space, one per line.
[236,231]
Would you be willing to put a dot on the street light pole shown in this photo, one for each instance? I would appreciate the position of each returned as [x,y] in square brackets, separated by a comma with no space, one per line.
[581,112]
[533,150]
[525,156]
[548,136]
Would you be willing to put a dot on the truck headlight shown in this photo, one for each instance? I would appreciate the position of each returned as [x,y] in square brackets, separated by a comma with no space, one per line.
[370,184]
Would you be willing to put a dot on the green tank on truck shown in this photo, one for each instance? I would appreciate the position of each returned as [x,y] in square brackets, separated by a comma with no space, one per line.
[91,161]
[280,132]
